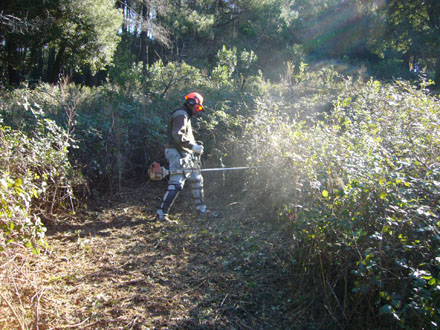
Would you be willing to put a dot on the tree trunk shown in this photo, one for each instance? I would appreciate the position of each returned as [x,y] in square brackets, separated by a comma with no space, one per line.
[50,62]
[12,59]
[144,37]
[36,63]
[40,64]
[57,66]
[437,75]
[433,10]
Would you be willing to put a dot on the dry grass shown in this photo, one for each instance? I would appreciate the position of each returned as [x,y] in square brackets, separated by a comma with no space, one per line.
[117,268]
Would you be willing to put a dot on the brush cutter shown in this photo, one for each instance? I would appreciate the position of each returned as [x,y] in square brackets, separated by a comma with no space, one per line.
[157,172]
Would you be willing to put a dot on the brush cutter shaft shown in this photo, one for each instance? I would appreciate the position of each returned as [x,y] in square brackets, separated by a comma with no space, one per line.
[227,168]
[157,172]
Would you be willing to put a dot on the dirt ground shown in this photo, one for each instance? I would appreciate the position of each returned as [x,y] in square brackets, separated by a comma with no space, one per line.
[116,267]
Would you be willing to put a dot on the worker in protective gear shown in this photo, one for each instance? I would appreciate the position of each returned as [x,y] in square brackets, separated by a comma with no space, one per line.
[180,151]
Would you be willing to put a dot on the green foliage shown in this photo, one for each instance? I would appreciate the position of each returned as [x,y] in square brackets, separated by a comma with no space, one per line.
[125,72]
[233,69]
[37,180]
[119,129]
[393,197]
[62,34]
[163,79]
[45,39]
[227,62]
[409,31]
[15,196]
[359,184]
[88,30]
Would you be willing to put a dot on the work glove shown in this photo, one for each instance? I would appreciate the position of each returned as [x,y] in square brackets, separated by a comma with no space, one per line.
[197,148]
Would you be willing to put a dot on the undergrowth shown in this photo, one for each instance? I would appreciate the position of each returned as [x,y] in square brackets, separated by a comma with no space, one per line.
[37,180]
[349,169]
[357,188]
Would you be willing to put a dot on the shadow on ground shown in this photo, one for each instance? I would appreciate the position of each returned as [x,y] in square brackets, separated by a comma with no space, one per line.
[126,270]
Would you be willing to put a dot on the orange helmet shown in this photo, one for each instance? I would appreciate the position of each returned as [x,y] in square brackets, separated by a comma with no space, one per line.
[195,99]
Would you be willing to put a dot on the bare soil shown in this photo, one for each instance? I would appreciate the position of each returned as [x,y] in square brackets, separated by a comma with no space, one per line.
[115,267]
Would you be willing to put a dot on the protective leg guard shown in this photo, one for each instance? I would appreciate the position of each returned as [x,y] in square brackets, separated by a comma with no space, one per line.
[197,192]
[169,197]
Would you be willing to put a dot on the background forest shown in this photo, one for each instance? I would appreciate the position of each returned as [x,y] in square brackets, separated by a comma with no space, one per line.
[337,97]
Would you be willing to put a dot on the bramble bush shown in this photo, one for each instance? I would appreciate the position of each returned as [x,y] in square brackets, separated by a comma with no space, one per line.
[37,180]
[121,128]
[357,189]
[51,133]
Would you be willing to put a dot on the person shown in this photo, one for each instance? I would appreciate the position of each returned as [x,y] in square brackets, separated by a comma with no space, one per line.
[180,151]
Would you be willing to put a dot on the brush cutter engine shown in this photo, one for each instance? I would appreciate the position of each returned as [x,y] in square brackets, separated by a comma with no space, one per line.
[157,172]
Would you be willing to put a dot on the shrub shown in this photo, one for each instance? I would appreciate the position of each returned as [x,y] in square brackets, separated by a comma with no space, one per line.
[357,188]
[119,130]
[37,180]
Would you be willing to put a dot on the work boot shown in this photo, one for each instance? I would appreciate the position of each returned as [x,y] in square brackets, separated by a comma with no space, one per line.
[204,213]
[161,216]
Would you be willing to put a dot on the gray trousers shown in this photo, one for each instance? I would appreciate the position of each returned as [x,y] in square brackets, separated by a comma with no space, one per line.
[184,165]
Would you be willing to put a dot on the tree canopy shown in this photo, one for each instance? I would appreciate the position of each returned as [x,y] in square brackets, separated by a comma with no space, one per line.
[43,39]
[63,36]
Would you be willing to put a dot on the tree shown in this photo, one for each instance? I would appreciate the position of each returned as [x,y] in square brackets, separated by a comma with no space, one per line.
[143,26]
[85,34]
[19,21]
[412,30]
[201,28]
[66,34]
[333,28]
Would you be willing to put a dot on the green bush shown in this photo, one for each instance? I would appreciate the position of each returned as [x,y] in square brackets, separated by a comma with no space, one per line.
[120,129]
[37,180]
[357,188]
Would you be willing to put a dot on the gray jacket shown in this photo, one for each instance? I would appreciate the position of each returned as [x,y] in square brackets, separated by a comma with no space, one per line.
[180,133]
